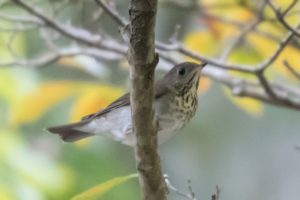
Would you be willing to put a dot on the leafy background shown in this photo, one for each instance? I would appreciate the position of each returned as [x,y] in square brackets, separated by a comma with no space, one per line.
[247,148]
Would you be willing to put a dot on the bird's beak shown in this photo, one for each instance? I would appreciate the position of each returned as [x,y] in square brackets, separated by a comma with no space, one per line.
[202,65]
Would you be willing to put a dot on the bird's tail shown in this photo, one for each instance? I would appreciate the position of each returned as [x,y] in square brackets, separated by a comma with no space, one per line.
[69,133]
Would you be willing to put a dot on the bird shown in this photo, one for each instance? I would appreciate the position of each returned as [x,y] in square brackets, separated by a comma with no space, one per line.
[175,103]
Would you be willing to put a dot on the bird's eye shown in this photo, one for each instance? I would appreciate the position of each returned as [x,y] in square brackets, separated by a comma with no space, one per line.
[181,71]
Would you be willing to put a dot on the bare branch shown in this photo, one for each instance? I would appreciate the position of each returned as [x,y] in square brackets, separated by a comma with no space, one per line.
[79,35]
[274,93]
[287,96]
[280,16]
[289,8]
[52,57]
[241,68]
[21,19]
[265,84]
[272,90]
[239,25]
[112,13]
[291,69]
[264,65]
[244,32]
[177,46]
[283,43]
[258,70]
[181,49]
[20,23]
[190,195]
[239,39]
[18,28]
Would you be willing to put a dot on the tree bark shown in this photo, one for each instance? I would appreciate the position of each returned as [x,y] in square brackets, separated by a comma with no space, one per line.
[143,60]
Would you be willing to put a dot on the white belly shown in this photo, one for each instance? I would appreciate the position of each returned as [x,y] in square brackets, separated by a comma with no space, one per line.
[117,125]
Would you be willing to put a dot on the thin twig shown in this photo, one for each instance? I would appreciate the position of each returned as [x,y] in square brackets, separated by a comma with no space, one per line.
[280,16]
[259,19]
[21,19]
[265,84]
[291,69]
[216,195]
[112,13]
[238,39]
[74,33]
[289,97]
[264,90]
[176,46]
[240,25]
[190,195]
[262,67]
[282,44]
[51,57]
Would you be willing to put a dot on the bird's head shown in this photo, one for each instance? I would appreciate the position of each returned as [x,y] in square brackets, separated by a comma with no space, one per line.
[184,76]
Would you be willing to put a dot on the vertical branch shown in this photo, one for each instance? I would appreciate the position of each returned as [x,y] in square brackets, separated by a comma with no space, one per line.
[143,60]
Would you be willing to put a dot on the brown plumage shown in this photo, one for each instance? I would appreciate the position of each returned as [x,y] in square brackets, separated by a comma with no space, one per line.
[170,88]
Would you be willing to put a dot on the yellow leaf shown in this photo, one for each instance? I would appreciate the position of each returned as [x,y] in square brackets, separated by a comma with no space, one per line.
[202,42]
[92,99]
[283,4]
[266,47]
[291,54]
[226,9]
[33,105]
[293,15]
[244,55]
[99,190]
[269,28]
[229,9]
[220,30]
[250,106]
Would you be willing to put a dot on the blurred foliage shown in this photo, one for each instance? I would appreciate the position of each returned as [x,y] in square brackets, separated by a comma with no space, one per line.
[36,166]
[89,98]
[99,190]
[257,48]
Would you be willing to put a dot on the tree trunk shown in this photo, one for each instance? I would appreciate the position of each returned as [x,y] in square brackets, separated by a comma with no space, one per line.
[143,60]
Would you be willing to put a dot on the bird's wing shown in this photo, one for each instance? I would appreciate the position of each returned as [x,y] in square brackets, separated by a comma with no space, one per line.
[159,89]
[120,102]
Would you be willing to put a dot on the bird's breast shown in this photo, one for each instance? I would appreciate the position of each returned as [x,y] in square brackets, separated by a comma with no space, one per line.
[185,105]
[174,112]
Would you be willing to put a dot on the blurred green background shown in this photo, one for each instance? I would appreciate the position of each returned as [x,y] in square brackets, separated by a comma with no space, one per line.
[249,155]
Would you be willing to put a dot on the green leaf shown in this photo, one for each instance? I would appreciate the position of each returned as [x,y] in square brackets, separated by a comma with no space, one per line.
[99,190]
